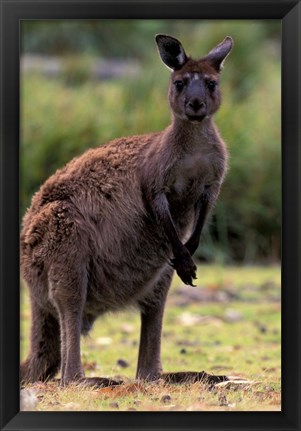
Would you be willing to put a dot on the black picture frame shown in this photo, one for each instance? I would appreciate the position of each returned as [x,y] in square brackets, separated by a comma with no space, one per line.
[289,12]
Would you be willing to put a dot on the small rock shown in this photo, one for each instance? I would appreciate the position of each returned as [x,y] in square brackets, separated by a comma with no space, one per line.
[166,399]
[114,405]
[183,351]
[122,363]
[137,402]
[127,328]
[263,329]
[189,319]
[28,400]
[103,341]
[71,406]
[223,400]
[232,315]
[131,409]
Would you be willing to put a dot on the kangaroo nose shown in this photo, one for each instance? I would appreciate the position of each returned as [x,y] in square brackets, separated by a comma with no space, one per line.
[196,104]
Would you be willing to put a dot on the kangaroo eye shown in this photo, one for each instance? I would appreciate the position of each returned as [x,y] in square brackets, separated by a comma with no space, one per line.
[179,85]
[211,85]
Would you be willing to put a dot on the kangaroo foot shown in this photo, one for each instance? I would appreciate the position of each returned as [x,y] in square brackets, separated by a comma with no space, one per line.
[99,382]
[96,382]
[192,377]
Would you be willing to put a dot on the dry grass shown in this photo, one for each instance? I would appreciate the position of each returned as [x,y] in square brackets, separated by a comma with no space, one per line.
[133,396]
[228,325]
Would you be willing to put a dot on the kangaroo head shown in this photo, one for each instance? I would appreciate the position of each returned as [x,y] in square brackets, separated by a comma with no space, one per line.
[194,86]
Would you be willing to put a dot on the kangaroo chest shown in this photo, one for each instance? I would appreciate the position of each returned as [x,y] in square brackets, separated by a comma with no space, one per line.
[189,177]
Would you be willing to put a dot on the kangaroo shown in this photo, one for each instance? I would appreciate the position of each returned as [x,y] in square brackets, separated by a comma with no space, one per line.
[110,228]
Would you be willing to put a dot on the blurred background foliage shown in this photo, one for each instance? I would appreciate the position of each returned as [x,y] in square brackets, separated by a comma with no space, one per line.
[86,82]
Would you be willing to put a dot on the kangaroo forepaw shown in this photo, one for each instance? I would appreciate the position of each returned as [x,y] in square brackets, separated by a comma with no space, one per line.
[185,268]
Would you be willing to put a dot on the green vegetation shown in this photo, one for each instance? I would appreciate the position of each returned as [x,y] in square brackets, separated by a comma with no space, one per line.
[229,324]
[62,117]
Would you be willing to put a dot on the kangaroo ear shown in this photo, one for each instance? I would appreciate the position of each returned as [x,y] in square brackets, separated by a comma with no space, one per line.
[171,51]
[218,54]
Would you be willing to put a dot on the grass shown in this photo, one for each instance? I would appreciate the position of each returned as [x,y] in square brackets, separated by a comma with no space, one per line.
[229,324]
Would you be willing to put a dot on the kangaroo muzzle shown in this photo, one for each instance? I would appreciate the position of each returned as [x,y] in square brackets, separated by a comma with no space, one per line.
[195,102]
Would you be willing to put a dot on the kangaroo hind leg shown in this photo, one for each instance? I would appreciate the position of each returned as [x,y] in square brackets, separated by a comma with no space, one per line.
[152,309]
[44,358]
[68,289]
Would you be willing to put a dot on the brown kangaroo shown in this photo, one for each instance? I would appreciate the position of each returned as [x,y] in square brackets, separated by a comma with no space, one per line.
[109,229]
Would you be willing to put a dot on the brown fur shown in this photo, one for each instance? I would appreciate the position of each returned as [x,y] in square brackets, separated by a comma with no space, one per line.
[105,231]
